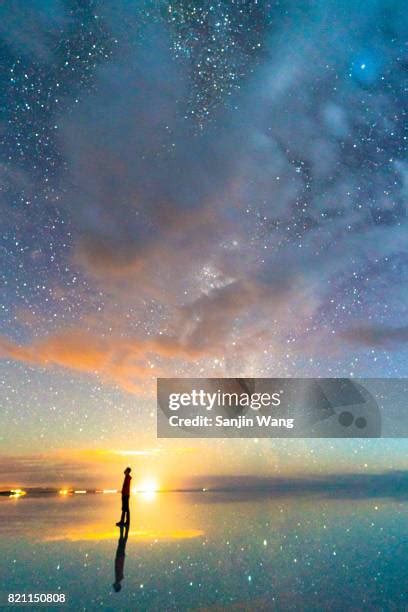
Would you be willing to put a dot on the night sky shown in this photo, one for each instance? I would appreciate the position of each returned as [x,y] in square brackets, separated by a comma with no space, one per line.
[196,189]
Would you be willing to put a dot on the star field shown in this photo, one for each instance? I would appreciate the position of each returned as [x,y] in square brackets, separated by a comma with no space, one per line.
[197,189]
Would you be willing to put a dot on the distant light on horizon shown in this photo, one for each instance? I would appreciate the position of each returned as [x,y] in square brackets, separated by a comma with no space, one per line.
[17,493]
[148,489]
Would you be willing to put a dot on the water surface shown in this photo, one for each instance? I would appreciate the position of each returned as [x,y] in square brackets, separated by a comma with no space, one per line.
[189,551]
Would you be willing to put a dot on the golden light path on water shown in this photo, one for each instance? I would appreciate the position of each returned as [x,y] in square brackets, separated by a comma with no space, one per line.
[94,532]
[155,516]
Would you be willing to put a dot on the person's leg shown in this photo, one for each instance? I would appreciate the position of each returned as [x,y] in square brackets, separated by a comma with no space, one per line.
[122,516]
[126,508]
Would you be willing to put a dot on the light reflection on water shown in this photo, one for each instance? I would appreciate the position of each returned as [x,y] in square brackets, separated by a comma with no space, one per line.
[186,551]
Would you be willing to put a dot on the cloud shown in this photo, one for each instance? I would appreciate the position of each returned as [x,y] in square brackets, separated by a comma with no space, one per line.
[377,335]
[154,201]
[43,470]
[203,328]
[29,29]
[141,179]
[124,361]
[243,233]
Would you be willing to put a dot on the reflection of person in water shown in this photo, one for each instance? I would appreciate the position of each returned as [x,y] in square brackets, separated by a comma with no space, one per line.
[125,517]
[120,556]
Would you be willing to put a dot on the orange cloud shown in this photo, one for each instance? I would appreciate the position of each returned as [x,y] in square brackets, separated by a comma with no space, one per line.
[200,330]
[119,360]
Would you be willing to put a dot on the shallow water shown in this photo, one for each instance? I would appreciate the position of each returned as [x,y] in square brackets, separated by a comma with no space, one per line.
[204,550]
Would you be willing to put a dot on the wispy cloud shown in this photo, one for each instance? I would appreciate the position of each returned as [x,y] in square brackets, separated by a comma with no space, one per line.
[377,335]
[252,229]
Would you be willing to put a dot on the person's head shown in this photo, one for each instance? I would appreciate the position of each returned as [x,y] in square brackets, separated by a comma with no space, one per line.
[128,470]
[117,586]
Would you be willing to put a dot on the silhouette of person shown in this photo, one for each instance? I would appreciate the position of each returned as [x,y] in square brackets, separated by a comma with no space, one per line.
[125,498]
[120,556]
